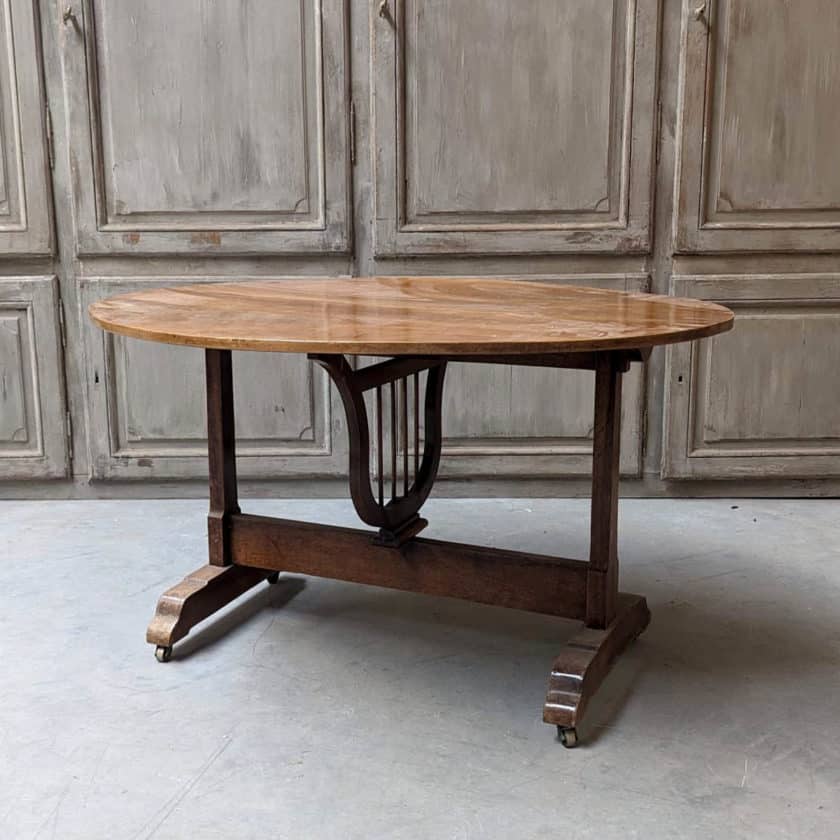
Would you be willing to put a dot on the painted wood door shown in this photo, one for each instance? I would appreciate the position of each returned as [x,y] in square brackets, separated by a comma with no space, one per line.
[513,127]
[761,401]
[208,127]
[210,130]
[33,420]
[514,421]
[148,414]
[759,127]
[214,139]
[25,220]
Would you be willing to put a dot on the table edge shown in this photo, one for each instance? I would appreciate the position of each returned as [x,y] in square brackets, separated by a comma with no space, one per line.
[518,348]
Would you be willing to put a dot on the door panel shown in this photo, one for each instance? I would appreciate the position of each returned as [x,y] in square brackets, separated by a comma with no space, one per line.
[208,126]
[520,421]
[760,401]
[761,84]
[148,412]
[513,127]
[25,226]
[33,441]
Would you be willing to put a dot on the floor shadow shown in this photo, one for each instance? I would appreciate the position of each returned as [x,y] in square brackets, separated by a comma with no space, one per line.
[718,636]
[273,596]
[721,649]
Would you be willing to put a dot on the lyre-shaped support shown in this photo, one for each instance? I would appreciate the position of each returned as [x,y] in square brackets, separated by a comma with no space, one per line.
[397,517]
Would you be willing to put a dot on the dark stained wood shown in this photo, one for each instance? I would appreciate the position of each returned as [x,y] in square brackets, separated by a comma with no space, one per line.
[602,583]
[395,557]
[221,452]
[401,510]
[393,442]
[399,316]
[586,659]
[578,360]
[394,539]
[391,370]
[404,431]
[533,582]
[197,597]
[569,361]
[432,428]
[416,378]
[380,457]
[358,433]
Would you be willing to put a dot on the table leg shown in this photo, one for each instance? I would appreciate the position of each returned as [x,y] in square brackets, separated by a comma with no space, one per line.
[612,620]
[209,588]
[602,582]
[244,550]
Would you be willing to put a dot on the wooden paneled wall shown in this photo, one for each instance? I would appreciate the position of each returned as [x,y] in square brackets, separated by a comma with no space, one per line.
[674,146]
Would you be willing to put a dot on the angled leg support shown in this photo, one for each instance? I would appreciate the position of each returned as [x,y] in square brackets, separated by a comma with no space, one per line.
[209,588]
[612,620]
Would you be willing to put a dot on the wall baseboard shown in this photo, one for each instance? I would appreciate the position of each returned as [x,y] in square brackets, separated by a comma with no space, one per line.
[649,487]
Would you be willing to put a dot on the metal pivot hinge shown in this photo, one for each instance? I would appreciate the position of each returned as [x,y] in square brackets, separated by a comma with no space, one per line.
[352,132]
[69,16]
[385,11]
[50,137]
[68,430]
[62,325]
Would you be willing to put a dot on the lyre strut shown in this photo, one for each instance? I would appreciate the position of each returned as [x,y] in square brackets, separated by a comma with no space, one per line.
[398,517]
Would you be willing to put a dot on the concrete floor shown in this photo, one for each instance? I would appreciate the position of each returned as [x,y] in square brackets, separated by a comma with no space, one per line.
[341,711]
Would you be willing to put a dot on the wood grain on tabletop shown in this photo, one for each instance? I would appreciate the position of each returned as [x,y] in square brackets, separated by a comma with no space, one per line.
[402,315]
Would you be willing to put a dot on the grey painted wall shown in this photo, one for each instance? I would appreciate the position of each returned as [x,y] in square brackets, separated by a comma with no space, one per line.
[674,146]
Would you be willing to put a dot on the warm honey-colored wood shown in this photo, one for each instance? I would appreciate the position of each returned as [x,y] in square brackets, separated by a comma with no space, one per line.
[404,315]
[586,659]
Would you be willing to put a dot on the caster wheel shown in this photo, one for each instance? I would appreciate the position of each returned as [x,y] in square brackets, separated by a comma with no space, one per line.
[568,737]
[273,578]
[163,653]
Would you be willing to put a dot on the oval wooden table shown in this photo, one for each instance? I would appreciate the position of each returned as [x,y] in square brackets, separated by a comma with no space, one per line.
[418,324]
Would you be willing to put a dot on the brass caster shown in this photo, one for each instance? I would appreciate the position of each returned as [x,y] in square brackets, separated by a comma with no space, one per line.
[273,578]
[568,736]
[163,653]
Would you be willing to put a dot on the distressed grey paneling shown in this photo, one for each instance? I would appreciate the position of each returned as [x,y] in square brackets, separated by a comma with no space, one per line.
[514,127]
[501,420]
[33,443]
[148,415]
[761,85]
[213,127]
[25,226]
[760,401]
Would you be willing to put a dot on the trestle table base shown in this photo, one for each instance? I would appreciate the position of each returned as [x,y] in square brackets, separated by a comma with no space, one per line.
[244,549]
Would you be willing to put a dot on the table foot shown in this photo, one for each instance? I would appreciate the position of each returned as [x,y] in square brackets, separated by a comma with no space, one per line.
[568,736]
[585,661]
[196,597]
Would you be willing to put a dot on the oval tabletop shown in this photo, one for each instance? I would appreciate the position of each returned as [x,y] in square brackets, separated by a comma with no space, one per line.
[407,315]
